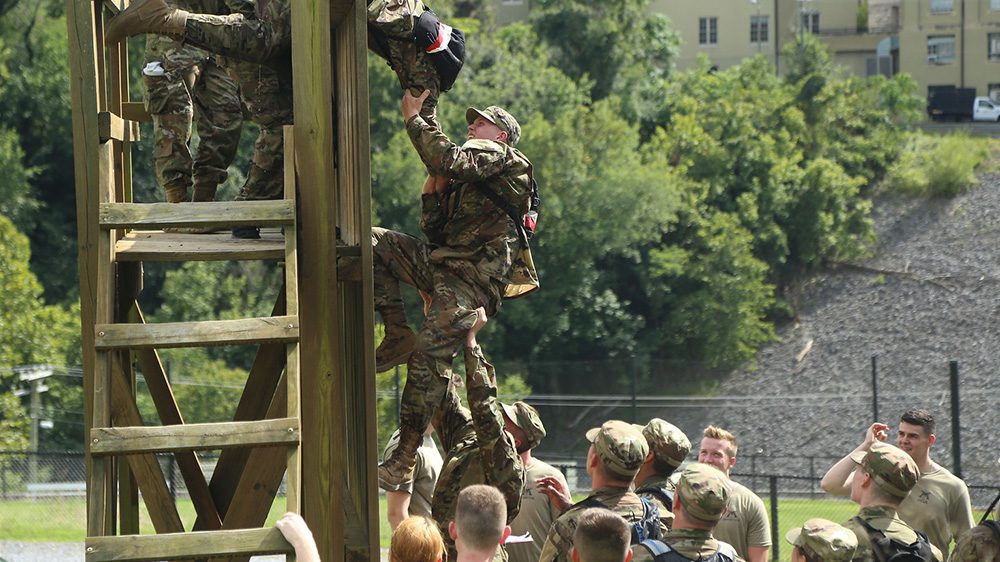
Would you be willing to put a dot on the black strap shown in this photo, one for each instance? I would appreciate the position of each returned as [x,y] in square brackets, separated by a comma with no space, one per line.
[989,509]
[506,207]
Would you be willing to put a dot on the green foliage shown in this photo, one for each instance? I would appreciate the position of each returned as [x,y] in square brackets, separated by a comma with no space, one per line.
[938,166]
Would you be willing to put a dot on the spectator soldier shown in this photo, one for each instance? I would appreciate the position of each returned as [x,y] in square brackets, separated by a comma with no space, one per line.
[480,524]
[601,536]
[819,540]
[745,524]
[668,447]
[413,497]
[939,504]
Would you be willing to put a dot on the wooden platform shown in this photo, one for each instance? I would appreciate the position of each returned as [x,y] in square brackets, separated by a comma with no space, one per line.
[156,245]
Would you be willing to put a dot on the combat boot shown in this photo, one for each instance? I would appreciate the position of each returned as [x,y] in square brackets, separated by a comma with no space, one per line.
[397,469]
[146,16]
[398,343]
[203,193]
[176,194]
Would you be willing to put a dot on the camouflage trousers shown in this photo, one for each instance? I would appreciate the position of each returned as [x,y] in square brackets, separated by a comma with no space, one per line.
[454,299]
[389,23]
[270,108]
[179,97]
[479,450]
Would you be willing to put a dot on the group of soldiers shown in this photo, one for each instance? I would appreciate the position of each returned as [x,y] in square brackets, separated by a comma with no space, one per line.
[908,504]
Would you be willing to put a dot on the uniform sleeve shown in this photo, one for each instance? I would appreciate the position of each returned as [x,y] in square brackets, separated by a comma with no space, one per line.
[758,530]
[961,517]
[556,547]
[463,163]
[452,422]
[501,462]
[432,217]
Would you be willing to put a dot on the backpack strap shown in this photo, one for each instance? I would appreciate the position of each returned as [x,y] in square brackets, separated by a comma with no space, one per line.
[665,496]
[989,509]
[512,212]
[656,548]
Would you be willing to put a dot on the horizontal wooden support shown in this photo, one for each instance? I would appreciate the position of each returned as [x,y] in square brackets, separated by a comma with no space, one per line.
[195,334]
[193,437]
[113,6]
[136,111]
[110,126]
[175,546]
[224,214]
[154,245]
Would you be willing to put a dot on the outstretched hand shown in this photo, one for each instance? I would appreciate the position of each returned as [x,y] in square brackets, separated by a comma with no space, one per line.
[412,105]
[297,533]
[557,493]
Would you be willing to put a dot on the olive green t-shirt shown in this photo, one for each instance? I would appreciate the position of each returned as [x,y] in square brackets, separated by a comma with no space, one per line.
[939,506]
[536,515]
[425,475]
[745,521]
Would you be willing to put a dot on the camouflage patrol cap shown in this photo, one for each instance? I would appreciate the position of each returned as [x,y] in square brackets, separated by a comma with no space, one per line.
[891,468]
[667,442]
[526,417]
[499,117]
[703,490]
[824,540]
[621,447]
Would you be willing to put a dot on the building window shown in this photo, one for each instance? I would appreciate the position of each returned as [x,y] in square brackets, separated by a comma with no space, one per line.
[810,22]
[708,31]
[943,6]
[995,5]
[993,46]
[993,90]
[941,49]
[758,29]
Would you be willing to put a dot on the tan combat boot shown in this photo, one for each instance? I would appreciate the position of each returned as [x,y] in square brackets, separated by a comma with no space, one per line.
[398,343]
[203,193]
[176,194]
[397,469]
[146,16]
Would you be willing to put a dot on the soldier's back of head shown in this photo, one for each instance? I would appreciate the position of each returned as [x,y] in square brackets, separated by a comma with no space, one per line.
[600,536]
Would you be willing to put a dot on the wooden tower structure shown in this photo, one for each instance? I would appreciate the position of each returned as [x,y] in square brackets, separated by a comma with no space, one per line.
[308,406]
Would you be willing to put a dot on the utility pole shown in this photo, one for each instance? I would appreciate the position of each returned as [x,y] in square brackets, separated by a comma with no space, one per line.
[756,26]
[35,376]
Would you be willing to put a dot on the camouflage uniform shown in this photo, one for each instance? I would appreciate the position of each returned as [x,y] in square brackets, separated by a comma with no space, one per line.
[479,450]
[979,544]
[412,66]
[669,446]
[621,449]
[824,540]
[895,473]
[472,260]
[185,86]
[703,491]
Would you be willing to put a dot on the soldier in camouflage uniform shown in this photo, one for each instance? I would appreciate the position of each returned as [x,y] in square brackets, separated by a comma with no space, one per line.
[979,544]
[701,497]
[819,540]
[668,447]
[479,450]
[475,255]
[617,450]
[883,478]
[186,86]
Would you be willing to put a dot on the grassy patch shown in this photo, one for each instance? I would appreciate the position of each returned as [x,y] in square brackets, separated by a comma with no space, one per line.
[939,165]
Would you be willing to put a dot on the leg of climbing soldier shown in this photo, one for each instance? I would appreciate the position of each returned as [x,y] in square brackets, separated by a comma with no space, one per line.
[219,121]
[168,76]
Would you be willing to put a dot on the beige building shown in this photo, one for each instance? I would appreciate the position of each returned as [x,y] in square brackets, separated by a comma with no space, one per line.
[938,42]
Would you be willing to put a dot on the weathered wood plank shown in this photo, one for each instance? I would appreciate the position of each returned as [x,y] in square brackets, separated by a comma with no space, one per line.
[166,408]
[188,334]
[136,111]
[155,245]
[186,545]
[193,437]
[154,216]
[113,127]
[292,494]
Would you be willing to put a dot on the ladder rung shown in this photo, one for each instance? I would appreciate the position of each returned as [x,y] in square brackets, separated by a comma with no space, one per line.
[111,126]
[156,216]
[193,436]
[154,245]
[190,334]
[198,544]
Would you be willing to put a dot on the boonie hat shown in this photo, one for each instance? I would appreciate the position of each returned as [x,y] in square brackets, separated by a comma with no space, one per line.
[499,117]
[890,467]
[621,447]
[824,540]
[703,490]
[667,442]
[526,417]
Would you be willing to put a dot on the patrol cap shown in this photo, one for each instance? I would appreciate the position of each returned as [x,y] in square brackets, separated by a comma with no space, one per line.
[825,540]
[526,418]
[703,490]
[499,117]
[667,442]
[891,468]
[621,447]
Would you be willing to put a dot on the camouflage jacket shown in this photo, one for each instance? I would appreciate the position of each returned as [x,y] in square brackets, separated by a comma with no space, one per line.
[479,450]
[172,54]
[979,544]
[664,483]
[882,518]
[463,223]
[694,544]
[560,539]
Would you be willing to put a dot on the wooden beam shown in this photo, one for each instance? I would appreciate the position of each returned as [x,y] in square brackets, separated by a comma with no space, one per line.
[155,245]
[113,127]
[186,545]
[192,334]
[136,111]
[156,216]
[193,436]
[113,6]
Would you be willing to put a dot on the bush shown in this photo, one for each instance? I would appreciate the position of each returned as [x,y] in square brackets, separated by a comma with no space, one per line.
[938,166]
